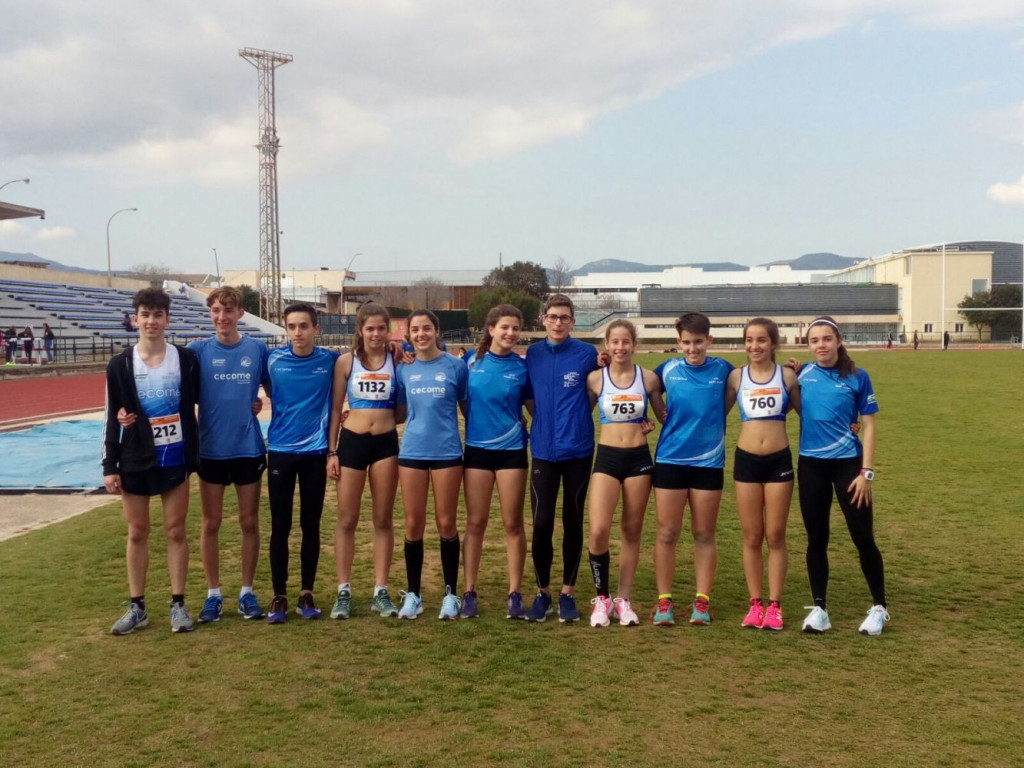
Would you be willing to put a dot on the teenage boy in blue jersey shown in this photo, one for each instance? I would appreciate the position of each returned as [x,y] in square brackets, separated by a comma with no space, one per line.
[301,378]
[158,382]
[231,446]
[562,445]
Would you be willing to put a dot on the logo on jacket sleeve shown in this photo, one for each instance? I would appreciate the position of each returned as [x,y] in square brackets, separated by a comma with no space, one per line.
[571,379]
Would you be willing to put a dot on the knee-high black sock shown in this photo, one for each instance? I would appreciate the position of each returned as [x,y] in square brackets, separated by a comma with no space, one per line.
[599,566]
[414,564]
[450,563]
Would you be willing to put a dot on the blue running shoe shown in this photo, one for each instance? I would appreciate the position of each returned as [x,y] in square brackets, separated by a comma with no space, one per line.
[213,607]
[249,606]
[664,614]
[470,609]
[278,613]
[515,607]
[701,614]
[540,609]
[307,608]
[567,612]
[450,606]
[412,606]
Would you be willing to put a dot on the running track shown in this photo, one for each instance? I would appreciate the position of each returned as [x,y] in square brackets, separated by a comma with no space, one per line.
[22,399]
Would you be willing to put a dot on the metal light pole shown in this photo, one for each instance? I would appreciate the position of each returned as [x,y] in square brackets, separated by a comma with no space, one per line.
[216,264]
[109,274]
[344,276]
[14,181]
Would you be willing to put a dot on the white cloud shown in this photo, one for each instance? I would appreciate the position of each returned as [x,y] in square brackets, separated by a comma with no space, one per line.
[56,233]
[1011,193]
[11,227]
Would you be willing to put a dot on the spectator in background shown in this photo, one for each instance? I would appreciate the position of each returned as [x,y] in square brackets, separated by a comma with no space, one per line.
[916,341]
[48,339]
[29,340]
[11,339]
[945,339]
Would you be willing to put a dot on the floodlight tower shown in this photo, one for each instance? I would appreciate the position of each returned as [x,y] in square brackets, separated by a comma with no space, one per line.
[269,275]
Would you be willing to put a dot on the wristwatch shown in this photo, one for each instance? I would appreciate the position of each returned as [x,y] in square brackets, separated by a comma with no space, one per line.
[868,473]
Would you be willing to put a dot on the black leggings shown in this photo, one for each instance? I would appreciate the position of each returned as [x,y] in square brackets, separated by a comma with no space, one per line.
[282,471]
[818,478]
[574,475]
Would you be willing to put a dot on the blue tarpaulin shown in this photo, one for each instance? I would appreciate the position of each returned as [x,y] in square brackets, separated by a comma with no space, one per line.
[61,454]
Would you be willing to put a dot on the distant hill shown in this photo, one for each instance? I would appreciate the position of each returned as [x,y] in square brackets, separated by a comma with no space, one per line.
[32,258]
[816,261]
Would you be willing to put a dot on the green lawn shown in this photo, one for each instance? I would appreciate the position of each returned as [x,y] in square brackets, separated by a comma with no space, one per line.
[942,686]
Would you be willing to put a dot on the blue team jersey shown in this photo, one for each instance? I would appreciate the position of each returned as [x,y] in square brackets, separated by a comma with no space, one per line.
[230,378]
[300,399]
[498,388]
[431,391]
[371,388]
[693,435]
[159,391]
[829,404]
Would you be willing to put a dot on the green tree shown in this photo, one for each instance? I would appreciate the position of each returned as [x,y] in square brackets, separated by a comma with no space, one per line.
[250,300]
[523,276]
[1006,323]
[481,304]
[989,309]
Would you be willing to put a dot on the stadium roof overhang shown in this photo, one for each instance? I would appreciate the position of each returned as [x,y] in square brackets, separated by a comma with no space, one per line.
[12,211]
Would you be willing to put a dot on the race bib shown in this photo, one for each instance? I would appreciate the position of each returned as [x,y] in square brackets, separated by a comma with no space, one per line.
[166,429]
[620,407]
[372,385]
[763,402]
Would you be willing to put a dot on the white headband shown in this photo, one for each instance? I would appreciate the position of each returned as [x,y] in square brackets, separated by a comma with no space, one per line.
[822,321]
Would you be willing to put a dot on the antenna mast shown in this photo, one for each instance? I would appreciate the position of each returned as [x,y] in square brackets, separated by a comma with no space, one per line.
[269,274]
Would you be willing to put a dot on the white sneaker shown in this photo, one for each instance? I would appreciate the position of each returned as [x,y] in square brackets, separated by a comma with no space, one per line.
[627,616]
[412,606]
[872,625]
[599,616]
[817,620]
[450,606]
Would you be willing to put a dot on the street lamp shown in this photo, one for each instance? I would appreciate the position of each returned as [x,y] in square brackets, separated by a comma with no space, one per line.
[109,274]
[14,181]
[344,276]
[216,264]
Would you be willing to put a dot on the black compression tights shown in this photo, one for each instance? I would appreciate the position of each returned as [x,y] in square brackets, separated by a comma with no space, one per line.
[545,477]
[818,479]
[283,469]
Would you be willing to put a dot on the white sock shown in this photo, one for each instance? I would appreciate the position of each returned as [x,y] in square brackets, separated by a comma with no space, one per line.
[215,592]
[245,591]
[346,585]
[379,588]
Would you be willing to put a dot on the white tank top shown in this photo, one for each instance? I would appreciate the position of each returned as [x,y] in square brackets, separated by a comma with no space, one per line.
[622,406]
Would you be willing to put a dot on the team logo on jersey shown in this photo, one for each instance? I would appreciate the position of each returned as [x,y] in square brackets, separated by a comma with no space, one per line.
[440,377]
[416,377]
[245,362]
[219,361]
[571,379]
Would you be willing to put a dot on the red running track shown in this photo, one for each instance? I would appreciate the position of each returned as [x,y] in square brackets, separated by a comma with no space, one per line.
[30,397]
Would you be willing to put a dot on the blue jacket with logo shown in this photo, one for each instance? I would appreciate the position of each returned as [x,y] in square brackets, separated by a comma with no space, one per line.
[563,426]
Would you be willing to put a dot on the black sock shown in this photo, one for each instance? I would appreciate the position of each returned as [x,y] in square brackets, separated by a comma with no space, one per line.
[140,601]
[178,598]
[450,563]
[599,566]
[414,564]
[820,603]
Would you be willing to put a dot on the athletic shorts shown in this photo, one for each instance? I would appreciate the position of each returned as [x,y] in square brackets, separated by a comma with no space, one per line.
[153,481]
[243,470]
[492,461]
[621,463]
[771,468]
[680,477]
[358,450]
[429,463]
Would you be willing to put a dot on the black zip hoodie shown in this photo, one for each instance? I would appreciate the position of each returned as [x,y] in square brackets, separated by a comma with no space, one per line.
[133,450]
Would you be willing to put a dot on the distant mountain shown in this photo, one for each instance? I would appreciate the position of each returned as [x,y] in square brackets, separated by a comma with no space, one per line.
[809,261]
[32,258]
[817,261]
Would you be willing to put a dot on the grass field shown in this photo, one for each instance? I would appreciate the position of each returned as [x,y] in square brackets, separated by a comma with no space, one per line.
[943,686]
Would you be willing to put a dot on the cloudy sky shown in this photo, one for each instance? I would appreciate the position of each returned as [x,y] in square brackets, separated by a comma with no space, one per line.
[440,134]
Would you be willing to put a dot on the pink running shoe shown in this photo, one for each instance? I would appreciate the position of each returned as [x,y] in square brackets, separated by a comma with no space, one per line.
[627,616]
[600,616]
[772,618]
[755,616]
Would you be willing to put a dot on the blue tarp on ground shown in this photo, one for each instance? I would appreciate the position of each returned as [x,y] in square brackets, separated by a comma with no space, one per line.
[62,454]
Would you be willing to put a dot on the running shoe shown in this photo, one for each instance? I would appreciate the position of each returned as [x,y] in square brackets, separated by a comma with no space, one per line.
[541,608]
[772,618]
[278,613]
[382,604]
[412,606]
[180,619]
[133,618]
[249,606]
[307,608]
[664,614]
[872,625]
[342,606]
[700,616]
[622,609]
[450,606]
[213,607]
[567,612]
[515,606]
[470,609]
[755,616]
[816,621]
[599,616]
